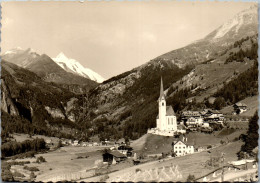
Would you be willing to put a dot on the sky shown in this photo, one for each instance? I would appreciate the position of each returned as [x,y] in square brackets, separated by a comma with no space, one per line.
[111,37]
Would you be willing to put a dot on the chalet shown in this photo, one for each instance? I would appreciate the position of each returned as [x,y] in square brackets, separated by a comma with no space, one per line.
[84,144]
[200,149]
[75,143]
[113,157]
[48,141]
[120,141]
[182,148]
[126,150]
[214,115]
[187,114]
[205,125]
[195,121]
[240,107]
[181,129]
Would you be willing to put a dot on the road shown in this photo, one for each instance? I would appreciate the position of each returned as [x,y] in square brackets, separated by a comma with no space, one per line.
[234,175]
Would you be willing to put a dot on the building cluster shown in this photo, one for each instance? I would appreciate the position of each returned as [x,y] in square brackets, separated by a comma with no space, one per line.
[194,119]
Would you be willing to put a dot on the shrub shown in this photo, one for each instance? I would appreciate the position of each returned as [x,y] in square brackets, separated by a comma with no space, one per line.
[7,175]
[222,142]
[191,178]
[32,169]
[18,174]
[32,176]
[137,170]
[40,159]
[104,178]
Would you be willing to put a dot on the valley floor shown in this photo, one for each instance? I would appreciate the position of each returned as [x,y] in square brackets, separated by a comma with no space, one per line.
[194,164]
[76,163]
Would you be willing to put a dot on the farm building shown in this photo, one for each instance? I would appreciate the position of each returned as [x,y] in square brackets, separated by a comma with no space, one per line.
[126,150]
[113,157]
[240,107]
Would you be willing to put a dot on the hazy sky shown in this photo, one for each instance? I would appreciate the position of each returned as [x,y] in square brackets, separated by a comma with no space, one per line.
[111,37]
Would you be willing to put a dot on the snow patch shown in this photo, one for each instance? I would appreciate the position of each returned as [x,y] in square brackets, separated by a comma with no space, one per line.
[73,66]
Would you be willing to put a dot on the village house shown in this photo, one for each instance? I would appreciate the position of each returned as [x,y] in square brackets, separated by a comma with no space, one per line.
[195,121]
[213,114]
[113,157]
[188,114]
[48,141]
[75,143]
[181,129]
[84,144]
[182,148]
[239,107]
[205,125]
[126,150]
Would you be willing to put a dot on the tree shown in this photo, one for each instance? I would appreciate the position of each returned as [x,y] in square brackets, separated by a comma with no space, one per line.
[219,103]
[191,178]
[251,139]
[59,144]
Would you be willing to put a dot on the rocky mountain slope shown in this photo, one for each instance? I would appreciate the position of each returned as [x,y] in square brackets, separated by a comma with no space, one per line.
[241,25]
[127,102]
[42,104]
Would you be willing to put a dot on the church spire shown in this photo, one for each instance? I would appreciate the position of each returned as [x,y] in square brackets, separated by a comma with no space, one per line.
[161,91]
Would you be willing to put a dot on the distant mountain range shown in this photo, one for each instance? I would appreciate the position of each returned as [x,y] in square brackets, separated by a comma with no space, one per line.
[58,70]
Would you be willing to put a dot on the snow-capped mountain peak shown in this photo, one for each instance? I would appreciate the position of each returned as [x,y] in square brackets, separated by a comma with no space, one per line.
[73,66]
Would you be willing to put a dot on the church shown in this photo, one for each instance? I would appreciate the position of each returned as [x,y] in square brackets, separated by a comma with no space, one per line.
[166,122]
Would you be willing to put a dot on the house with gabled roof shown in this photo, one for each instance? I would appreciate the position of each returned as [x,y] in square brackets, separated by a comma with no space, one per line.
[182,147]
[240,107]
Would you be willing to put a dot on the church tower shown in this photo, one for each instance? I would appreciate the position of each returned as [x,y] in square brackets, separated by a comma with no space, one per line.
[162,109]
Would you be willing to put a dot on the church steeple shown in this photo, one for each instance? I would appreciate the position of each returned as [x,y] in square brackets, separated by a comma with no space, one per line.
[161,91]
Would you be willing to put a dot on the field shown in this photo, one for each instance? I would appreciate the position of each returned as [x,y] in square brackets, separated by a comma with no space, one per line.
[154,144]
[70,162]
[193,164]
[66,160]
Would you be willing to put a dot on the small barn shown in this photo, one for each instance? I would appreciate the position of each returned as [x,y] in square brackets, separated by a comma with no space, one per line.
[240,107]
[126,150]
[113,157]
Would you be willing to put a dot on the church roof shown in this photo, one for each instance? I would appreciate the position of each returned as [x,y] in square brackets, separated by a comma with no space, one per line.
[170,111]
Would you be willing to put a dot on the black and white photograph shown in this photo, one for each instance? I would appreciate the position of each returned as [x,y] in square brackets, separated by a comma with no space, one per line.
[129,91]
